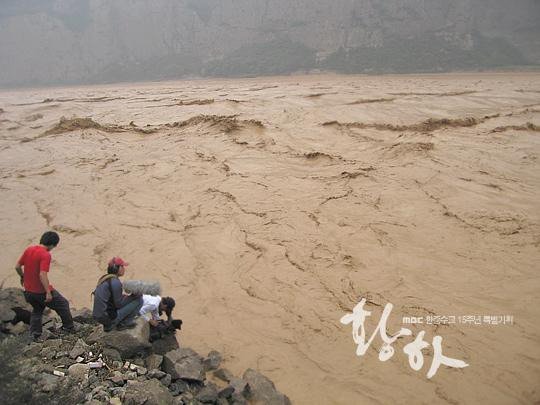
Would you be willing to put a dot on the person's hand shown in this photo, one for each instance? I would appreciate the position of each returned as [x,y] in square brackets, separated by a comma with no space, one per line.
[48,296]
[153,322]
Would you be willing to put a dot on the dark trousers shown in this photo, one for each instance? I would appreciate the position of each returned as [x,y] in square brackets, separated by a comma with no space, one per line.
[59,304]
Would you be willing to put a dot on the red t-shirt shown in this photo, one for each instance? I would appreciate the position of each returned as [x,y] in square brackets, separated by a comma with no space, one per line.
[35,259]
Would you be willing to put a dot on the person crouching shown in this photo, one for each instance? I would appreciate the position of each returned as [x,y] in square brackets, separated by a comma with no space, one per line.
[111,308]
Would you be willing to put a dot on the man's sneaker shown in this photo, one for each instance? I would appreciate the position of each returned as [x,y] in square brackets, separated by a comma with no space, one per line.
[126,325]
[72,329]
[37,339]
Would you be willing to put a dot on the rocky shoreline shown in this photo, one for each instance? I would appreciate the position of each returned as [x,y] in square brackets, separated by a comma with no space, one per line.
[120,367]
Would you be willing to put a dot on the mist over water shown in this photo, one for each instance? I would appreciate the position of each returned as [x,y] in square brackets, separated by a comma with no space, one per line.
[44,42]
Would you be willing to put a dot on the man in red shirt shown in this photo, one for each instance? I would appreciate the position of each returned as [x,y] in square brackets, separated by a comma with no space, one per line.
[38,292]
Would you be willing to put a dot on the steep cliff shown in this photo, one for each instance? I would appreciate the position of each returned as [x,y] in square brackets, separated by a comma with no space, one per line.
[85,41]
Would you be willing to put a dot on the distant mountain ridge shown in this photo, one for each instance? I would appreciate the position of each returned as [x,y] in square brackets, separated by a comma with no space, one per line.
[93,41]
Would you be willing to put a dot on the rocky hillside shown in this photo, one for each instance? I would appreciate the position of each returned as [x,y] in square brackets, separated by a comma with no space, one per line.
[88,41]
[120,367]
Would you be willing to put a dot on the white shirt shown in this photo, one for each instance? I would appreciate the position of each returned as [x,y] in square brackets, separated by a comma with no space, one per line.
[150,307]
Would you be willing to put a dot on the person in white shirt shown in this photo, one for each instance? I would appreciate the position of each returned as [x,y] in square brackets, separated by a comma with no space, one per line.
[154,306]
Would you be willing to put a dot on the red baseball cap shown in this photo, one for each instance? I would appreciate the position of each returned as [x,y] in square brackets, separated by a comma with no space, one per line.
[118,262]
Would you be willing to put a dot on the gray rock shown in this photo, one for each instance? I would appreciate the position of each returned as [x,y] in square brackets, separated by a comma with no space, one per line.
[262,390]
[79,349]
[48,353]
[128,342]
[237,399]
[156,374]
[154,361]
[226,392]
[83,315]
[166,380]
[31,350]
[223,374]
[53,343]
[117,364]
[212,361]
[18,329]
[48,382]
[208,394]
[112,354]
[222,401]
[131,375]
[240,386]
[14,297]
[117,378]
[78,371]
[150,392]
[142,371]
[184,363]
[178,387]
[164,345]
[6,313]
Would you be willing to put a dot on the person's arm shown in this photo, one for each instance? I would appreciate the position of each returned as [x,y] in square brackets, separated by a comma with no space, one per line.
[45,283]
[116,292]
[44,266]
[19,270]
[19,267]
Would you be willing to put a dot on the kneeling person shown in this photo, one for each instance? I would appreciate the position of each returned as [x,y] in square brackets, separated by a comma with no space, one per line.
[154,306]
[111,307]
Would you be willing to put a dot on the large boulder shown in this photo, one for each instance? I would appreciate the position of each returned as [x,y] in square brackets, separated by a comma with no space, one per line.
[165,344]
[262,390]
[6,313]
[150,392]
[128,342]
[184,363]
[14,297]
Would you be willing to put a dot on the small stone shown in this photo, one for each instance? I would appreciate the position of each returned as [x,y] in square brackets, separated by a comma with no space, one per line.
[141,370]
[79,349]
[115,401]
[117,364]
[78,371]
[156,374]
[112,354]
[59,373]
[79,359]
[223,374]
[117,378]
[131,375]
[208,394]
[154,361]
[18,329]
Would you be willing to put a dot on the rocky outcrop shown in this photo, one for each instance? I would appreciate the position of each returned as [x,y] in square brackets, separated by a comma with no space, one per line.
[75,41]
